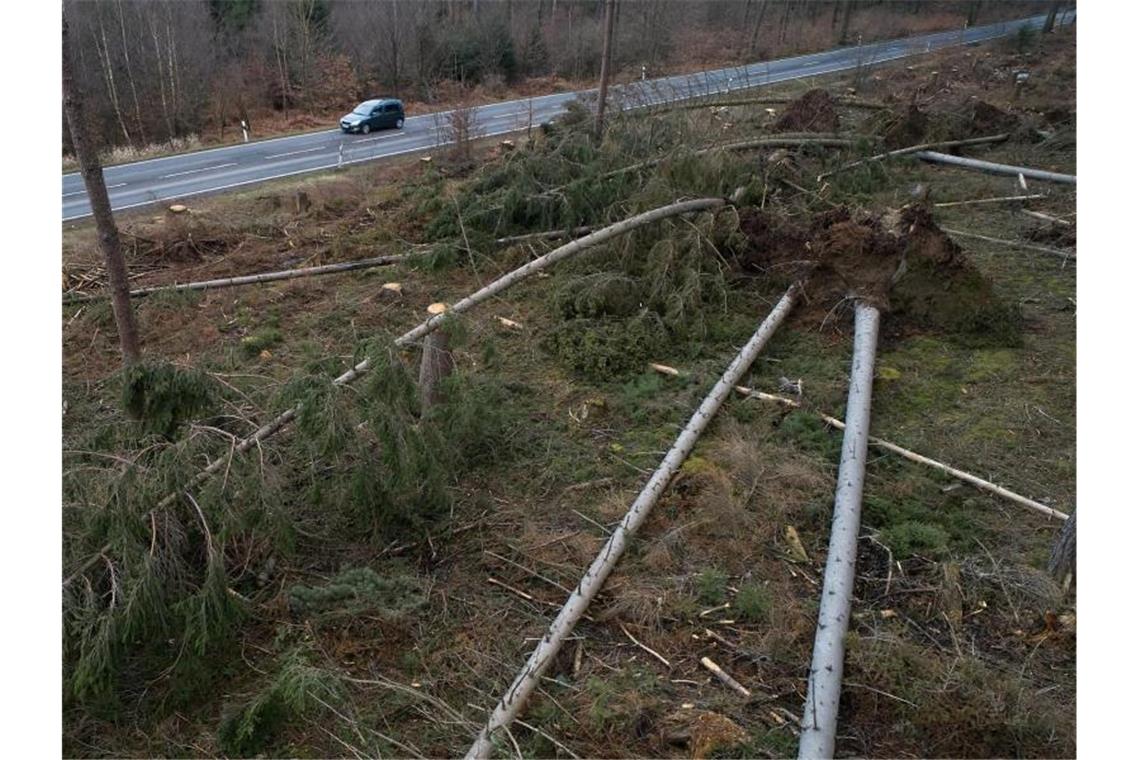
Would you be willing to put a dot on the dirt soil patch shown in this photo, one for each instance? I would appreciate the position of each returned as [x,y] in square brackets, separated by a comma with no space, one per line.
[814,111]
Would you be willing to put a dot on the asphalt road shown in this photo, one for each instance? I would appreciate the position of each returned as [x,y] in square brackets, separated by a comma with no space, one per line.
[209,171]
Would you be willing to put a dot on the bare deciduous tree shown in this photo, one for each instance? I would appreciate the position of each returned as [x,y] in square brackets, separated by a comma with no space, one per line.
[92,170]
[603,85]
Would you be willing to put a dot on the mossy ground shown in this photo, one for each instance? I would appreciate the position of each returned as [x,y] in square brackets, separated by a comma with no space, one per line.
[936,668]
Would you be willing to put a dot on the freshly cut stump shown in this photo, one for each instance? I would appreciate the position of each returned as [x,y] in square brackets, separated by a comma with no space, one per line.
[436,363]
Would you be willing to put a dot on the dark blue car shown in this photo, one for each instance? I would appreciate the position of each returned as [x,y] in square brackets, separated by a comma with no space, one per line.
[384,113]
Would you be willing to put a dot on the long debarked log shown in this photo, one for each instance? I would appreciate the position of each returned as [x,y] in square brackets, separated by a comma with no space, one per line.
[992,168]
[433,323]
[915,149]
[825,680]
[1002,199]
[252,279]
[526,681]
[1066,255]
[894,448]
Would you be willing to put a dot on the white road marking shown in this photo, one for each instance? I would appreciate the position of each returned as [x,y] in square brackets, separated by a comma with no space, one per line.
[397,133]
[84,192]
[196,171]
[296,152]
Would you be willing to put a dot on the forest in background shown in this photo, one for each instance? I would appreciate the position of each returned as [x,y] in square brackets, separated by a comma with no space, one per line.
[188,71]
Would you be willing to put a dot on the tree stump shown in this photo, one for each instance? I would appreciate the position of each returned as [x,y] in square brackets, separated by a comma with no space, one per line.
[301,202]
[435,364]
[1063,560]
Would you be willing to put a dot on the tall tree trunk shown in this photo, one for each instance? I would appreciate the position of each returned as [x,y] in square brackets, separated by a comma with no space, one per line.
[172,70]
[1051,19]
[152,22]
[130,74]
[846,27]
[603,86]
[104,55]
[972,13]
[88,157]
[756,27]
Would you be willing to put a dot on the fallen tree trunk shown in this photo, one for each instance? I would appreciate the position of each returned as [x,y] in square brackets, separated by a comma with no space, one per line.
[825,679]
[1001,199]
[894,448]
[251,279]
[1013,243]
[527,680]
[915,149]
[433,323]
[548,235]
[992,168]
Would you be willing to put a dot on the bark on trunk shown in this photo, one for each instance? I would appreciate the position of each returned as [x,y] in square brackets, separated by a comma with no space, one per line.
[595,577]
[1051,19]
[436,363]
[87,155]
[1063,560]
[821,709]
[846,28]
[603,85]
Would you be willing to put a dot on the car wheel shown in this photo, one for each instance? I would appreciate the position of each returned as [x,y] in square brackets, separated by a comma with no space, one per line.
[365,129]
[400,123]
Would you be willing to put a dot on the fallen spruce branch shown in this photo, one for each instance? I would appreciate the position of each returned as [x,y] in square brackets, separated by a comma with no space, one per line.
[894,448]
[1066,255]
[992,168]
[251,279]
[1001,199]
[431,324]
[915,149]
[825,678]
[592,582]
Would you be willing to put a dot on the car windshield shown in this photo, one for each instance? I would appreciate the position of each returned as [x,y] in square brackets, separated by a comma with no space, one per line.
[364,109]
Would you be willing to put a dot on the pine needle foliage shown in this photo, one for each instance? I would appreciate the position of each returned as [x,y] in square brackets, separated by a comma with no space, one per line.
[297,689]
[358,590]
[161,396]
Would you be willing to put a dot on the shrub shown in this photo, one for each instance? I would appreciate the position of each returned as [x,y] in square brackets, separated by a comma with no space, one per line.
[754,603]
[712,585]
[911,537]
